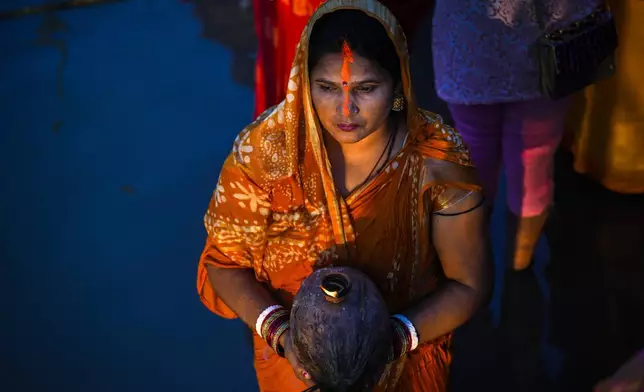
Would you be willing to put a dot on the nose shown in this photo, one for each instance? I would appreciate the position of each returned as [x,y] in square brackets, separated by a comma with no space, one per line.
[353,108]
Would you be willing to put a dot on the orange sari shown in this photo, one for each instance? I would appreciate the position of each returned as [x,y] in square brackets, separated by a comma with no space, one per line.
[276,210]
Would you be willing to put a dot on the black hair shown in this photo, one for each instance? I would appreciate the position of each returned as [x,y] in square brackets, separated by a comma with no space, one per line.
[340,330]
[365,35]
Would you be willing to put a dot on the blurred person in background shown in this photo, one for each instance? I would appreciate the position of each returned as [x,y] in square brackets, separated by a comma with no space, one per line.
[596,279]
[485,71]
[605,129]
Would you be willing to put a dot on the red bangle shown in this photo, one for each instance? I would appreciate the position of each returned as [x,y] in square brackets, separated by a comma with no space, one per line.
[270,319]
[274,326]
[279,331]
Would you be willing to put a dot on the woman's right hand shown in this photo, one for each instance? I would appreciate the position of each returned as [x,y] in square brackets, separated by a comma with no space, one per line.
[287,344]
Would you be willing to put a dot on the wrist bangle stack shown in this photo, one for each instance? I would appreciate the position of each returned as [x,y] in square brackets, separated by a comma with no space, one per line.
[271,324]
[405,336]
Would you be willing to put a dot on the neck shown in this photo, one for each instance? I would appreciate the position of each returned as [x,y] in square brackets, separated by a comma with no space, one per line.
[354,164]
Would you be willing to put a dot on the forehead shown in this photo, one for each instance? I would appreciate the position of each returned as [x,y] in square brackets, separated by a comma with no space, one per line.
[330,67]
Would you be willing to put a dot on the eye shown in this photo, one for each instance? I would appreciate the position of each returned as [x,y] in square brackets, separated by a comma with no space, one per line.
[365,89]
[327,88]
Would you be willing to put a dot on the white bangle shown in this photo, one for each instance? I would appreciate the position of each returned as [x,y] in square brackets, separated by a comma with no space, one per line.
[411,328]
[262,318]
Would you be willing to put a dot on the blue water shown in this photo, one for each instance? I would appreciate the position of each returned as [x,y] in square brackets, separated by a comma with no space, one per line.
[102,195]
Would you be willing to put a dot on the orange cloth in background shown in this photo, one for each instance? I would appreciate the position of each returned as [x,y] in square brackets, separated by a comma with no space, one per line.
[275,209]
[279,24]
[606,126]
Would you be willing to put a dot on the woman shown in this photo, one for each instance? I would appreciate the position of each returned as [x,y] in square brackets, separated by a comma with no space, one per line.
[606,123]
[348,171]
[279,24]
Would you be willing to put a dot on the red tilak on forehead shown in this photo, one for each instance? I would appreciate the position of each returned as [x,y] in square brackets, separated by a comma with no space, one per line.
[347,58]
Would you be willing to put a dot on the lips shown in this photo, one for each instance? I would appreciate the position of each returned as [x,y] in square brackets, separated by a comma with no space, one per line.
[348,126]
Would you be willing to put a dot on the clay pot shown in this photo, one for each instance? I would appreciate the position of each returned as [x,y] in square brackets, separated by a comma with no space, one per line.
[340,329]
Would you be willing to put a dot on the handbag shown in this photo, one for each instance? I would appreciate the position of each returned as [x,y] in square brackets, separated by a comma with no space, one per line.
[575,56]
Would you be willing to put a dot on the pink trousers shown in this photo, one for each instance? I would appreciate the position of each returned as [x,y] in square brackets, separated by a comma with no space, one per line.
[520,137]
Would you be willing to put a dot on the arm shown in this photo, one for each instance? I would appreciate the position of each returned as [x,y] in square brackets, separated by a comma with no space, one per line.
[462,244]
[239,289]
[236,222]
[231,270]
[227,282]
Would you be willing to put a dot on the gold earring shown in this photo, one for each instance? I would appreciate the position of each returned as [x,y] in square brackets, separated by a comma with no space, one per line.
[399,104]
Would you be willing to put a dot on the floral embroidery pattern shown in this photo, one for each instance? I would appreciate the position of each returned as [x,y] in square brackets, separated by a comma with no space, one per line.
[219,194]
[249,199]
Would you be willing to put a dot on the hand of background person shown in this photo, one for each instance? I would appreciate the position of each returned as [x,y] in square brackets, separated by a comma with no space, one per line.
[629,378]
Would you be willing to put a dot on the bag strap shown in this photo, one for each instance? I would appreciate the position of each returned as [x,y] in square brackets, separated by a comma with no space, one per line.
[541,13]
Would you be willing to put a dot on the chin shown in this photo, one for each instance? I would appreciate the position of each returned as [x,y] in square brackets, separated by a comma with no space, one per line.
[349,137]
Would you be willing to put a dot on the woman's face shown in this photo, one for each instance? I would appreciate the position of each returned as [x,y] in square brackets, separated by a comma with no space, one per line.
[351,116]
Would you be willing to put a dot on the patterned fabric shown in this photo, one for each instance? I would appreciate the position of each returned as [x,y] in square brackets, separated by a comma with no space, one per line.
[275,209]
[482,47]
